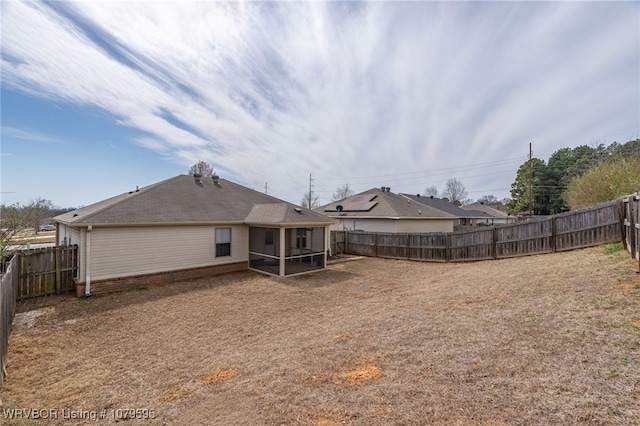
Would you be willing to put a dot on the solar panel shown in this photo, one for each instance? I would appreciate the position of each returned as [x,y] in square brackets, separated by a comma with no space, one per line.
[359,203]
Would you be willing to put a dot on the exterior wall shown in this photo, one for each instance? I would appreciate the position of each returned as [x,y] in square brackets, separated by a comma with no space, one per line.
[141,281]
[68,235]
[394,225]
[372,225]
[428,225]
[133,251]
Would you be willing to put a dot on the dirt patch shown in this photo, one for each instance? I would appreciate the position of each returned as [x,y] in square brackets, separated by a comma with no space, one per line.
[537,340]
[29,319]
[219,376]
[630,286]
[364,372]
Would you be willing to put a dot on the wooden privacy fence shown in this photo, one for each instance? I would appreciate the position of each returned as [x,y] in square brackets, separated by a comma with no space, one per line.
[631,209]
[8,287]
[46,271]
[566,231]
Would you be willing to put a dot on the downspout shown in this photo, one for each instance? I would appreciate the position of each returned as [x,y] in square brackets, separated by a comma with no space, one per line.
[327,244]
[87,287]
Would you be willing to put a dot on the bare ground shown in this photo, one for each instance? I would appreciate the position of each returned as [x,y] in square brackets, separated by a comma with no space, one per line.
[540,340]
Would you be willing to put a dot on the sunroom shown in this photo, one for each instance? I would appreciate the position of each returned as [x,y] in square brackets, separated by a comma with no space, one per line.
[287,251]
[285,240]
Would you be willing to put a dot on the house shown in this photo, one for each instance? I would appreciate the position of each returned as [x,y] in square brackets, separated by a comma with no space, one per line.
[497,217]
[465,217]
[186,227]
[380,210]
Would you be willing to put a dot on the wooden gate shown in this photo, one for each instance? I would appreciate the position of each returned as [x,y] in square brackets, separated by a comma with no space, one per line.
[46,271]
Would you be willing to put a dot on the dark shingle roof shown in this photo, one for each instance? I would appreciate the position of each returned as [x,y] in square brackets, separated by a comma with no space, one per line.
[446,206]
[181,200]
[382,204]
[490,211]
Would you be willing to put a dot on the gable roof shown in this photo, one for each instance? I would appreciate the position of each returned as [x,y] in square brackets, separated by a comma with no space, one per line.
[487,209]
[182,200]
[446,206]
[376,203]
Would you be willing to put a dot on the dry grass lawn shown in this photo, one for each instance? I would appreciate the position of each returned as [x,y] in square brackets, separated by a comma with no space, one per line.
[540,340]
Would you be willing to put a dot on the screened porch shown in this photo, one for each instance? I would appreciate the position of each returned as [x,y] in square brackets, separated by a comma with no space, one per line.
[287,251]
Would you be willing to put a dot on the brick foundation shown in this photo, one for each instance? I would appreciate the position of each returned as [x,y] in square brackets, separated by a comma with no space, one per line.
[141,281]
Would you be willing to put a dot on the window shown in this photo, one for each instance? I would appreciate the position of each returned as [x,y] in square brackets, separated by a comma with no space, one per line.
[268,237]
[301,238]
[223,242]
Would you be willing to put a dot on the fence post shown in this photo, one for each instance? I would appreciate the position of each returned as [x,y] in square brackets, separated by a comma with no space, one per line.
[58,254]
[553,233]
[375,244]
[346,241]
[408,246]
[447,247]
[632,225]
[494,237]
[622,213]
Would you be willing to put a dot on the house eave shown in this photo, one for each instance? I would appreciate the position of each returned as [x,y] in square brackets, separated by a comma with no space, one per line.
[147,224]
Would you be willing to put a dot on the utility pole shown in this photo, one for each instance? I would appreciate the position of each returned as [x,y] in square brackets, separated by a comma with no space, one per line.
[530,180]
[310,191]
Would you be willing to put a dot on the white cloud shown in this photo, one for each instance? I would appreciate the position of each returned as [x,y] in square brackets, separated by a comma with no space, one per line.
[351,92]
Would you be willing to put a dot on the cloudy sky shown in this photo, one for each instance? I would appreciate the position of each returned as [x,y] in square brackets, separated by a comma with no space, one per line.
[100,97]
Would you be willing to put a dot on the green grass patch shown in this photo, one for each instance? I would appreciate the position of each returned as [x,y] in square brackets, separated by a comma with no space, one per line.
[613,248]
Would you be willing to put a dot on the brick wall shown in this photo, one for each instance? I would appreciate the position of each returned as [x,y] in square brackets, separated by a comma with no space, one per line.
[141,281]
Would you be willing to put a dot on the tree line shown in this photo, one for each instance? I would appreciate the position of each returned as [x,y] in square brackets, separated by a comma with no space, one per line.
[576,177]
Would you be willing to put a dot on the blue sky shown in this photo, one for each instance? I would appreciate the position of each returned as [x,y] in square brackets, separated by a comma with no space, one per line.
[101,97]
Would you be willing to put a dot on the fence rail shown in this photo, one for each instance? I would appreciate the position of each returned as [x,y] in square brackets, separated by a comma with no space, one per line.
[566,231]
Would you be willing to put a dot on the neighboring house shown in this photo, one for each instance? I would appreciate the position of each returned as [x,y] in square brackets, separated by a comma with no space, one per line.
[187,227]
[465,217]
[380,210]
[497,217]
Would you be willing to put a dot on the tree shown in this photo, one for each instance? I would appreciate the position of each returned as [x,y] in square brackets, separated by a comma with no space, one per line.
[310,201]
[608,181]
[342,192]
[431,191]
[455,191]
[488,200]
[13,223]
[38,210]
[521,194]
[203,168]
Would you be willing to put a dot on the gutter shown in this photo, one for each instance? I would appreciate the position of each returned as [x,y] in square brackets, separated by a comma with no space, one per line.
[87,287]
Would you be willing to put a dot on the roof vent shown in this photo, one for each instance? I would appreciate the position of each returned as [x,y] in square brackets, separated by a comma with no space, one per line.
[382,188]
[197,177]
[432,197]
[216,179]
[418,195]
[388,189]
[298,209]
[339,207]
